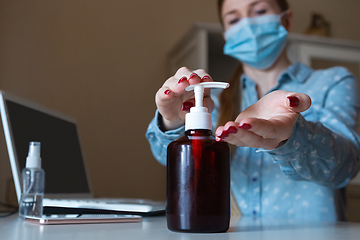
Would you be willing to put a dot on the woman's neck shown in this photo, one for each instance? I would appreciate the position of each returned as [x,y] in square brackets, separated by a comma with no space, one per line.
[267,79]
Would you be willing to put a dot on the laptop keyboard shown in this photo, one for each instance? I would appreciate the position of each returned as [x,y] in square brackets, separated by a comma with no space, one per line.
[126,205]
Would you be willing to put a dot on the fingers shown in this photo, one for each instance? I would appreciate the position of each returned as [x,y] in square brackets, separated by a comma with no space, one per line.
[267,122]
[182,79]
[175,87]
[255,133]
[173,101]
[227,133]
[201,74]
[274,128]
[193,77]
[243,137]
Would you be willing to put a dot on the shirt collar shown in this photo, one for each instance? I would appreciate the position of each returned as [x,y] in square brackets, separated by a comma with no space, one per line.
[297,72]
[246,81]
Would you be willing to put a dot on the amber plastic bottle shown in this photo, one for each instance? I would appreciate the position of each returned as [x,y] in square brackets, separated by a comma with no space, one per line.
[198,180]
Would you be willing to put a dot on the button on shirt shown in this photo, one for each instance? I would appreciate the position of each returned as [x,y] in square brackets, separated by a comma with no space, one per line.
[302,179]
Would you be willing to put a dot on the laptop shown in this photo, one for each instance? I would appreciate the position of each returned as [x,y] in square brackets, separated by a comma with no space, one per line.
[67,184]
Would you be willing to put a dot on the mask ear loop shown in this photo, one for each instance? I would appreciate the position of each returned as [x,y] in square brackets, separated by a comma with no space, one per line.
[283,13]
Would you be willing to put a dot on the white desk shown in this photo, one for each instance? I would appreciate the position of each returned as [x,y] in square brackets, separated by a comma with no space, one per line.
[12,228]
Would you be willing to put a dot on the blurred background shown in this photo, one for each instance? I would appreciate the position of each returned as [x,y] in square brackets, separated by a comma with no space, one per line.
[102,62]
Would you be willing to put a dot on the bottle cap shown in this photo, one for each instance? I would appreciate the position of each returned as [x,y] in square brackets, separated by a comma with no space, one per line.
[33,159]
[199,117]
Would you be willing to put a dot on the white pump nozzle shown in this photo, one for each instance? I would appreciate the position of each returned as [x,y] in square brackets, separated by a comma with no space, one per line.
[199,117]
[33,159]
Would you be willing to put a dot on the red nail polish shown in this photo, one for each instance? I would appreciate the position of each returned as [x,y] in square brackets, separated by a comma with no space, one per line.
[245,126]
[294,101]
[224,134]
[183,79]
[186,106]
[193,75]
[167,92]
[206,77]
[232,129]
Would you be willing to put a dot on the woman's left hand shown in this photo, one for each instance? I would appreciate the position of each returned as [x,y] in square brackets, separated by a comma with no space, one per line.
[266,123]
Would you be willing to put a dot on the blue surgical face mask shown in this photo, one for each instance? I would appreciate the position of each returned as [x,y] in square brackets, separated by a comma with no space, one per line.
[256,41]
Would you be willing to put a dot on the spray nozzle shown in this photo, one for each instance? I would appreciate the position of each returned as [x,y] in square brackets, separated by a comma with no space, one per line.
[33,159]
[199,118]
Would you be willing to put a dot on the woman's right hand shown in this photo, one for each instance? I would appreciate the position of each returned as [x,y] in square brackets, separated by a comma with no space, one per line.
[173,101]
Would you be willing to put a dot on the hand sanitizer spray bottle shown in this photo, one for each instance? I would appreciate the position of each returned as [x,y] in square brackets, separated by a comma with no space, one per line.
[198,173]
[33,182]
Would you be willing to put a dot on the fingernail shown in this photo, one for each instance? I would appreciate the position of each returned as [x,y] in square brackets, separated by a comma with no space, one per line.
[206,77]
[224,134]
[232,129]
[294,101]
[167,92]
[218,139]
[186,106]
[193,75]
[183,79]
[245,126]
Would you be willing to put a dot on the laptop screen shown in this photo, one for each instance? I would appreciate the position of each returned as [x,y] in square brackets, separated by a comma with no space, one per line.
[62,160]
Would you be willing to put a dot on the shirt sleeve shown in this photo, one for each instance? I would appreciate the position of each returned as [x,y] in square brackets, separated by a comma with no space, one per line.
[159,140]
[325,150]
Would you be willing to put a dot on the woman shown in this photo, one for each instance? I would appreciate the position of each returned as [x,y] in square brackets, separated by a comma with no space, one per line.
[295,144]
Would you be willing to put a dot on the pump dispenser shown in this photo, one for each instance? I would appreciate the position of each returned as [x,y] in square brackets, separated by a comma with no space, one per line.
[199,117]
[33,182]
[198,173]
